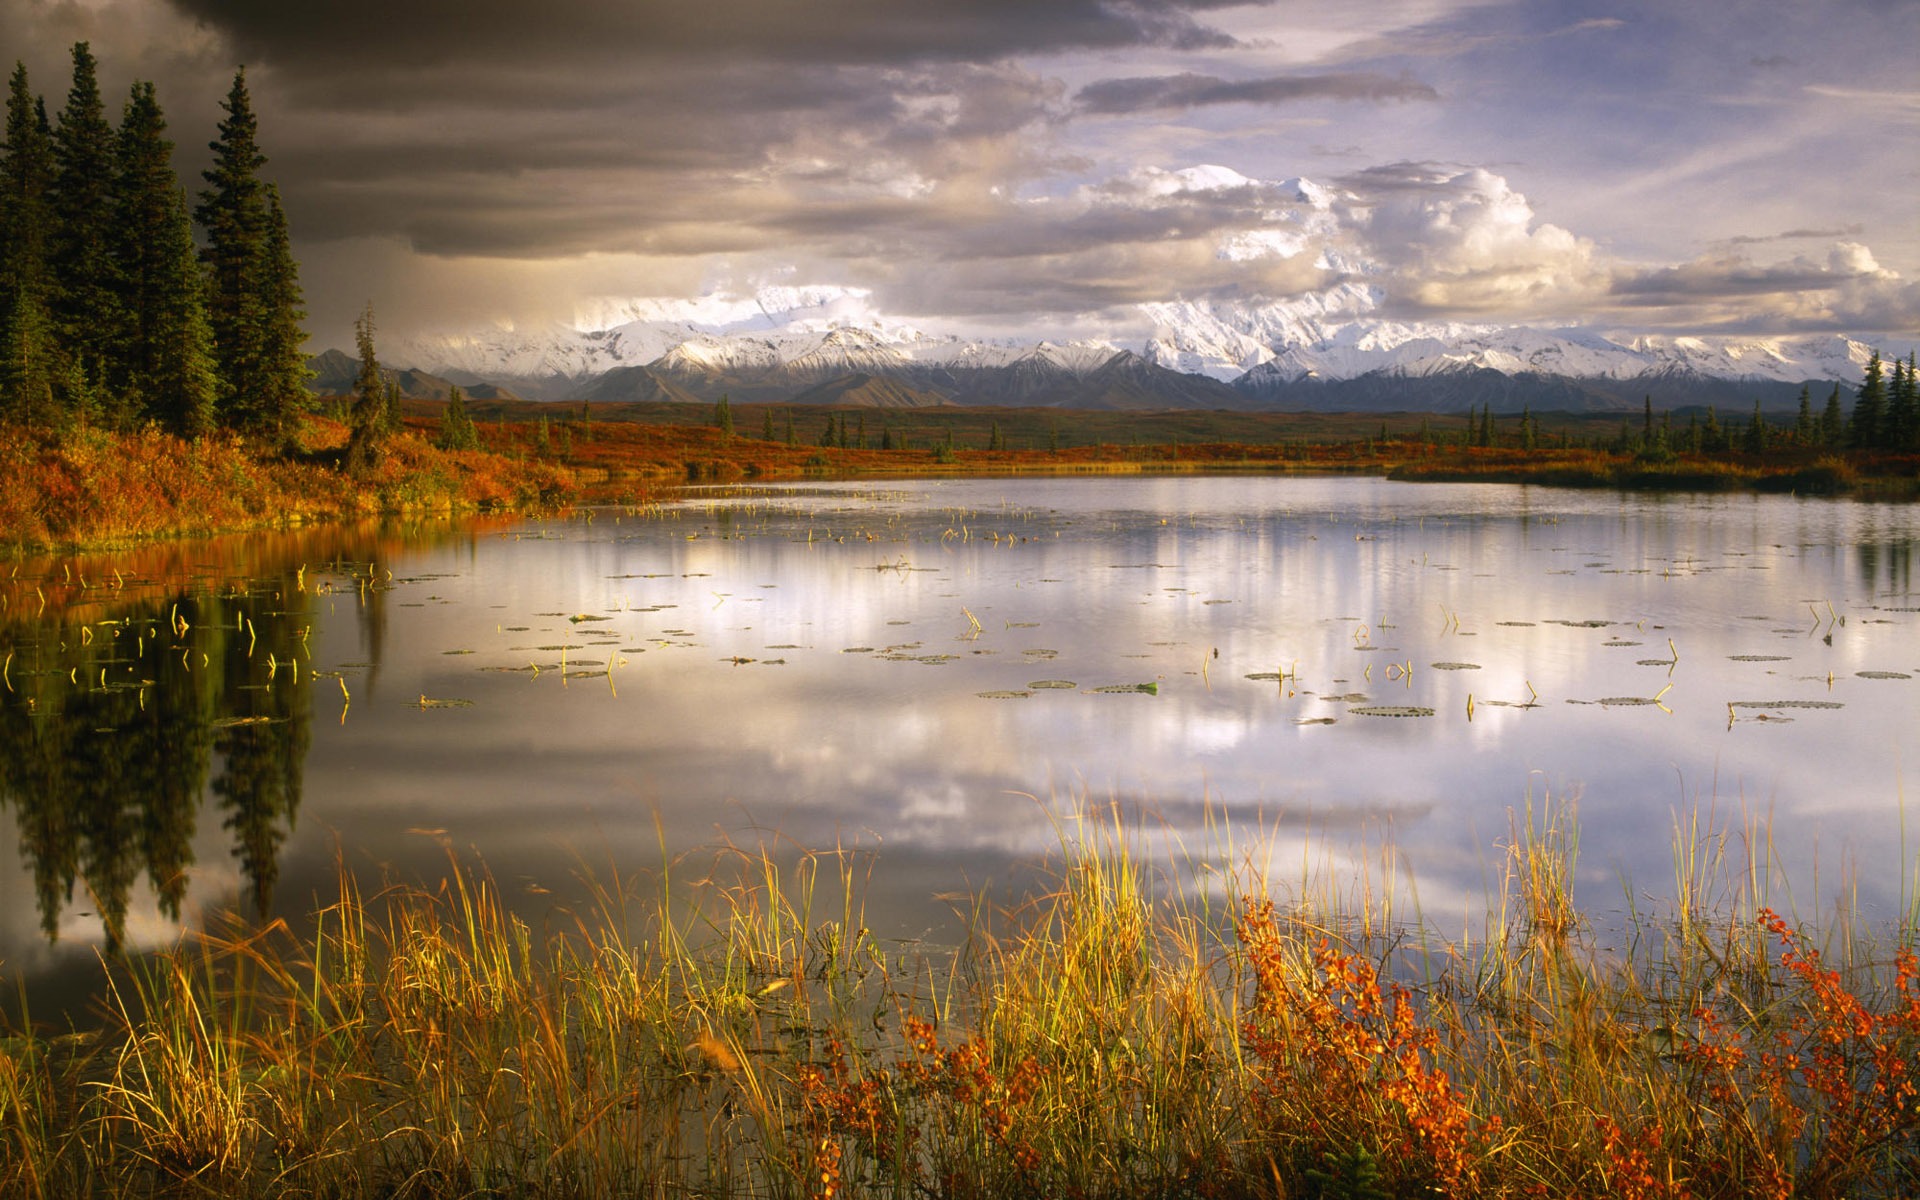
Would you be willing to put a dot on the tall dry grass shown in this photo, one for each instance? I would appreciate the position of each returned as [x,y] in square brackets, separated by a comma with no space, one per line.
[732,1028]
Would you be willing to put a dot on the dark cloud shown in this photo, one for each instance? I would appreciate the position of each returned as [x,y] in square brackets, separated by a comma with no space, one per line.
[1854,230]
[352,37]
[1164,93]
[1734,276]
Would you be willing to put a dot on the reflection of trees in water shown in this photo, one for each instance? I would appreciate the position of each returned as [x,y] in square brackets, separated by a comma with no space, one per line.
[123,702]
[1889,562]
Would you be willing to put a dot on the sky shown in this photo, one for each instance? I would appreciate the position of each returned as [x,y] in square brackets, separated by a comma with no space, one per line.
[1044,166]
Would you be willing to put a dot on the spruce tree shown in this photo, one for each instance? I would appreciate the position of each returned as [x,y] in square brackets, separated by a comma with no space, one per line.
[160,352]
[84,292]
[1833,422]
[1754,438]
[1903,408]
[1805,431]
[367,436]
[723,417]
[1869,408]
[1713,439]
[31,369]
[282,394]
[234,212]
[457,431]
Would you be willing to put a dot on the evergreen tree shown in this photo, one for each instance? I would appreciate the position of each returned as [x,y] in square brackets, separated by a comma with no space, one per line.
[1805,429]
[1869,407]
[281,394]
[1754,438]
[993,437]
[1833,422]
[723,417]
[766,426]
[390,404]
[1529,429]
[860,432]
[793,439]
[1903,408]
[1646,422]
[1713,439]
[456,427]
[366,441]
[235,214]
[84,291]
[30,370]
[161,350]
[886,436]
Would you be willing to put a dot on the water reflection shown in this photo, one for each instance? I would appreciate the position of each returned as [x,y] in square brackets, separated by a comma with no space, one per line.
[921,670]
[141,687]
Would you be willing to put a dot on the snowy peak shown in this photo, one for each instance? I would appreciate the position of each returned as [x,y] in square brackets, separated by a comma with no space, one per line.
[779,341]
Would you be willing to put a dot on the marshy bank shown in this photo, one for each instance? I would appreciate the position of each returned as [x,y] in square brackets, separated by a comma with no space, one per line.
[729,1026]
[91,488]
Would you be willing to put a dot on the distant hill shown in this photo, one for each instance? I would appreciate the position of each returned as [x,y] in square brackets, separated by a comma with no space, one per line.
[335,372]
[861,390]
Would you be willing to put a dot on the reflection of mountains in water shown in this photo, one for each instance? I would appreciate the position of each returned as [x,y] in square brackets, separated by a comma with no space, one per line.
[141,686]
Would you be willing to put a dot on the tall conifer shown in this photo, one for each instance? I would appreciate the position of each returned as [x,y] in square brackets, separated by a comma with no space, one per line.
[284,372]
[366,440]
[84,292]
[1903,408]
[29,360]
[162,356]
[234,213]
[1869,408]
[1833,421]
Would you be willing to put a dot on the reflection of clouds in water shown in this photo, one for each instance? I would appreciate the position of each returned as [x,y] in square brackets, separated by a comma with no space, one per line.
[902,755]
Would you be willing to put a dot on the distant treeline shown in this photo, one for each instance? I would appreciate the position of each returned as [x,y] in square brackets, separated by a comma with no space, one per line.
[109,315]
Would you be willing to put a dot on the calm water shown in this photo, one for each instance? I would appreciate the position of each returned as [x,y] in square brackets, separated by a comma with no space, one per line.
[944,672]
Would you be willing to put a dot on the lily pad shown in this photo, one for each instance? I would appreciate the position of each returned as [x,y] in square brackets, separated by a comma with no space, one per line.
[1267,676]
[1055,684]
[1785,704]
[1588,624]
[424,702]
[1390,710]
[1316,721]
[1455,666]
[1758,657]
[1146,689]
[1883,675]
[1003,695]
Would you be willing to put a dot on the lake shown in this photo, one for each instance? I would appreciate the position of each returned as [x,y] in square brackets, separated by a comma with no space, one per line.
[1346,682]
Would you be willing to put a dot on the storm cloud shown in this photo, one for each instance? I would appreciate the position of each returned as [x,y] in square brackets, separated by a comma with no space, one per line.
[1173,92]
[1044,166]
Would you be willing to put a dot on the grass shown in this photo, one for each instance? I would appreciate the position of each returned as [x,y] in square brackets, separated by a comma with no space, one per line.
[732,1028]
[89,487]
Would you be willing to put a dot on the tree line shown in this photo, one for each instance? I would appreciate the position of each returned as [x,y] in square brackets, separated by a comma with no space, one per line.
[110,314]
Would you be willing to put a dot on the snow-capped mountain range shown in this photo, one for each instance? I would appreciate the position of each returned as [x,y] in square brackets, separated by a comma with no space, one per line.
[1325,350]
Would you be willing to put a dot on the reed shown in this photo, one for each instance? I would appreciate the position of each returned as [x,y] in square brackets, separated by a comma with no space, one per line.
[1148,1022]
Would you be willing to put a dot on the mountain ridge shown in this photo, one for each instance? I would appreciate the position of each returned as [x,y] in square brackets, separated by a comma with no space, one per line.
[789,344]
